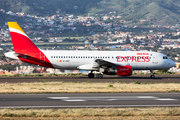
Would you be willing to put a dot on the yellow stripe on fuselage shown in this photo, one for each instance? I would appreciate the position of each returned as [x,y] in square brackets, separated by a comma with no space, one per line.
[15,26]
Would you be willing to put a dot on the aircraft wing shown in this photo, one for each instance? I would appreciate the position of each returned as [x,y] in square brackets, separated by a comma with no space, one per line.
[105,63]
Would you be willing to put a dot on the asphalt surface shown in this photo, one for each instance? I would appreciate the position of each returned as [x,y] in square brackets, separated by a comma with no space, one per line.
[89,100]
[142,78]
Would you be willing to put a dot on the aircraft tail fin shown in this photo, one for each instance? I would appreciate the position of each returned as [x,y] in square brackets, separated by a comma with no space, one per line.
[21,42]
[25,49]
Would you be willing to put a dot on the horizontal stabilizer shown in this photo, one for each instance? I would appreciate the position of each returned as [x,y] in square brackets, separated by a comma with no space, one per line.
[21,55]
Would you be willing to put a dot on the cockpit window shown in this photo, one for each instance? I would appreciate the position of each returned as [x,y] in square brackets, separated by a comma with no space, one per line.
[165,57]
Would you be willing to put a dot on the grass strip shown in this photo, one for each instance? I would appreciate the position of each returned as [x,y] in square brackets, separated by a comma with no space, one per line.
[94,113]
[87,87]
[46,75]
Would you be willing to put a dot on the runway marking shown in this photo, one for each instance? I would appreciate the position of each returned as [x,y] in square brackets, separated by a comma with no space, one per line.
[146,97]
[110,98]
[165,99]
[56,98]
[74,100]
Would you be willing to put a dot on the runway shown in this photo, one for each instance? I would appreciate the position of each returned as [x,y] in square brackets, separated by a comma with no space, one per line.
[142,78]
[89,100]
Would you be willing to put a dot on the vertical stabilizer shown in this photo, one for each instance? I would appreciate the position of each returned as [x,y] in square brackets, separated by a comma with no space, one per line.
[21,42]
[25,49]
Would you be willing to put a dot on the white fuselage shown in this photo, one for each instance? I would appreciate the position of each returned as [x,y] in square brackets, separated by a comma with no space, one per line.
[139,60]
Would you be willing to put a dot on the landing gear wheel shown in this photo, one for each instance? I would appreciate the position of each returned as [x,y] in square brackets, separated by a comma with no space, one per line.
[91,75]
[100,76]
[152,76]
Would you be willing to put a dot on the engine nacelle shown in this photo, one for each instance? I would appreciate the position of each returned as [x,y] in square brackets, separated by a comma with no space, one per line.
[124,70]
[119,70]
[110,71]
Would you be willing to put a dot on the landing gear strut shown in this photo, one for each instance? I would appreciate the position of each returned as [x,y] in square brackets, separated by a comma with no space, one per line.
[100,76]
[152,74]
[91,75]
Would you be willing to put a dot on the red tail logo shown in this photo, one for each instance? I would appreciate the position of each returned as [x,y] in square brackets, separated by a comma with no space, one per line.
[27,50]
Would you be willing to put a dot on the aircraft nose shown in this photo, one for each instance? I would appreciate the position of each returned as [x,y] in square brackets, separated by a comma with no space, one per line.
[172,63]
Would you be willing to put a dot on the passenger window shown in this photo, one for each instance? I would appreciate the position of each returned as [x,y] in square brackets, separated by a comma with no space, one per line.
[51,56]
[56,56]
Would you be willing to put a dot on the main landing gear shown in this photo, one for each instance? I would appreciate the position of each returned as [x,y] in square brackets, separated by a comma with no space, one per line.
[91,75]
[100,76]
[152,74]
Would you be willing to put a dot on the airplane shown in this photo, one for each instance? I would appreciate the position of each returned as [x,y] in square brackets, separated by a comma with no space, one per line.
[120,63]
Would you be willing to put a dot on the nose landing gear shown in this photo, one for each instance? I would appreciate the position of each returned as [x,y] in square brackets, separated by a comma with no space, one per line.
[152,74]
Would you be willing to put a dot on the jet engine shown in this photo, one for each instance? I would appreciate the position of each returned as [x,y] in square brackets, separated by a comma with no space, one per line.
[119,70]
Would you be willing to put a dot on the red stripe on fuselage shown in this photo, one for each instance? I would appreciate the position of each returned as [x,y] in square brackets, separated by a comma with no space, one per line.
[24,45]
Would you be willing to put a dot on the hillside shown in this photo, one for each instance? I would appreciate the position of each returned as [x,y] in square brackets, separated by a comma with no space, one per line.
[48,7]
[133,10]
[130,10]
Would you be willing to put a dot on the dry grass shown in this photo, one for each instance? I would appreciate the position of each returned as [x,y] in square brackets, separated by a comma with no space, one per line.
[96,118]
[93,113]
[46,75]
[86,87]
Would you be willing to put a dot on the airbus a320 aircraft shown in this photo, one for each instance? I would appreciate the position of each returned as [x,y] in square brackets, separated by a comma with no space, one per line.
[120,63]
